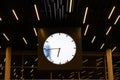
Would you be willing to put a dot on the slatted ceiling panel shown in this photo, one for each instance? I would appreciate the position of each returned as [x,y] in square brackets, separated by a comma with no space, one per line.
[97,18]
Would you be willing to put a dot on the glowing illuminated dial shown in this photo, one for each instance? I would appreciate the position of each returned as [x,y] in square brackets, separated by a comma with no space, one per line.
[59,48]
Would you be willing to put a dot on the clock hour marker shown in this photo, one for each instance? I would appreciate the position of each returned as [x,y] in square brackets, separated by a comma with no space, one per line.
[74,47]
[59,33]
[66,35]
[46,41]
[72,40]
[67,60]
[51,36]
[73,55]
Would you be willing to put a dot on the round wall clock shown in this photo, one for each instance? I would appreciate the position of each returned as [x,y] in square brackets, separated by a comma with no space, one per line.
[59,48]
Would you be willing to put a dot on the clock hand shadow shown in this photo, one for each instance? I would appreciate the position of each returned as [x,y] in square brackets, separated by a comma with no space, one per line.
[47,52]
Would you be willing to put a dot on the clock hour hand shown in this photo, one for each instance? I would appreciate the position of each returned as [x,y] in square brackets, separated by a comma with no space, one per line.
[58,52]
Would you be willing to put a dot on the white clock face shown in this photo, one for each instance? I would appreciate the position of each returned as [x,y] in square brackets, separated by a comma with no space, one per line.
[59,48]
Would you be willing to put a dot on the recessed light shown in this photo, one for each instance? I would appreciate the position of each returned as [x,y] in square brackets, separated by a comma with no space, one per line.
[114,48]
[86,11]
[35,31]
[93,39]
[70,7]
[111,12]
[83,71]
[116,20]
[0,19]
[102,46]
[85,61]
[24,40]
[15,14]
[36,10]
[4,59]
[6,36]
[14,70]
[108,30]
[36,59]
[86,30]
[31,70]
[26,62]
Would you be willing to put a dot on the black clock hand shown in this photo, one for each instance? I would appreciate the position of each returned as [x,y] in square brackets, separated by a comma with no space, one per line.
[54,49]
[51,48]
[58,52]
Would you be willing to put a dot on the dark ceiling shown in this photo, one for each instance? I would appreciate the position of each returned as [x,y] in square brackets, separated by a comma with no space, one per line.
[55,13]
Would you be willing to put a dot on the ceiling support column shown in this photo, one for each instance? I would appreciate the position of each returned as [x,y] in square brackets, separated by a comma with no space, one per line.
[8,63]
[109,64]
[50,75]
[78,75]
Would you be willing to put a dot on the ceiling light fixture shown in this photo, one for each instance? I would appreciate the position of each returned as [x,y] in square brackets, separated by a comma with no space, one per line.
[31,71]
[14,74]
[98,63]
[93,39]
[32,66]
[114,48]
[86,11]
[86,30]
[31,75]
[37,44]
[22,70]
[36,12]
[91,72]
[36,59]
[4,59]
[108,30]
[26,62]
[35,31]
[102,45]
[0,65]
[14,70]
[0,19]
[24,40]
[1,73]
[83,71]
[6,36]
[15,14]
[111,12]
[116,20]
[85,61]
[99,59]
[70,7]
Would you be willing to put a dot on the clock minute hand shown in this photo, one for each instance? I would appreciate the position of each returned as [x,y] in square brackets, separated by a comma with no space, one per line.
[54,49]
[58,52]
[51,48]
